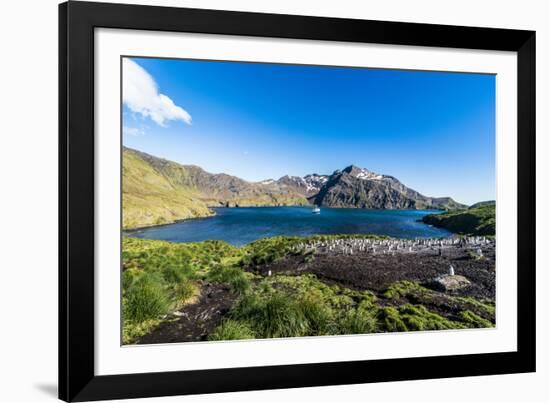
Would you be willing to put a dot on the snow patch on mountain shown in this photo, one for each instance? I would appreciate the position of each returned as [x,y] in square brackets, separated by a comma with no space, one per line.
[315,182]
[368,175]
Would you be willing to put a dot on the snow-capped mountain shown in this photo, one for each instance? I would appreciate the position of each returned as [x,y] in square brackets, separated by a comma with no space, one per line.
[359,187]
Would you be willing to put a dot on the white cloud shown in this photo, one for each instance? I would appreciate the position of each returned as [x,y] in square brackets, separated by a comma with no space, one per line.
[133,131]
[141,95]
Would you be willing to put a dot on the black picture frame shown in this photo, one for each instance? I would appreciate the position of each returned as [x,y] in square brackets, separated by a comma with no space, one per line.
[77,379]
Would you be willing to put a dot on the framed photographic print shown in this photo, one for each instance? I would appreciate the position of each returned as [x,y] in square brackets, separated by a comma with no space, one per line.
[258,201]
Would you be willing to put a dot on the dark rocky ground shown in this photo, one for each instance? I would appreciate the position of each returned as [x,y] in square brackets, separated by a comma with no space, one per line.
[196,320]
[367,271]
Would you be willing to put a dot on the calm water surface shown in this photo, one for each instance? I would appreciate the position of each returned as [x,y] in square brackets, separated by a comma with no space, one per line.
[240,226]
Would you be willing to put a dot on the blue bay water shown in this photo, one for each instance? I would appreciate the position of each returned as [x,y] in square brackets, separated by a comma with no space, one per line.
[239,226]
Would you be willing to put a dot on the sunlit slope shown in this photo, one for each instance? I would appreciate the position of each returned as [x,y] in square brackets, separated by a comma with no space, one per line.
[472,221]
[149,197]
[157,191]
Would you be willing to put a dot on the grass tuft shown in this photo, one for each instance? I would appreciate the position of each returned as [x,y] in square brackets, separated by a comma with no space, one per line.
[390,320]
[359,321]
[232,330]
[235,277]
[185,291]
[146,299]
[276,316]
[405,288]
[473,320]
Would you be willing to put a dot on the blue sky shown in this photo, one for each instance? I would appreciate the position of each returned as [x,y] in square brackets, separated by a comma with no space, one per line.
[434,131]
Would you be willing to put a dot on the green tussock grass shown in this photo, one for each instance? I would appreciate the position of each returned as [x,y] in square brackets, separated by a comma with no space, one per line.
[413,318]
[131,331]
[484,307]
[177,259]
[235,277]
[405,288]
[159,277]
[473,320]
[232,330]
[473,221]
[145,299]
[359,320]
[279,315]
[481,308]
[292,306]
[269,250]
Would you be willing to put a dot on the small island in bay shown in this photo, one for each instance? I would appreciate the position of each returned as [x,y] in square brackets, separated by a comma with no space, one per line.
[305,238]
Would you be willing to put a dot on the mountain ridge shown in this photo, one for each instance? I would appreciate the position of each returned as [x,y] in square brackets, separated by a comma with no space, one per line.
[171,191]
[361,188]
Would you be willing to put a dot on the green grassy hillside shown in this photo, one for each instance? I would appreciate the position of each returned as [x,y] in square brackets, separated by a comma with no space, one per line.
[472,221]
[157,191]
[149,198]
